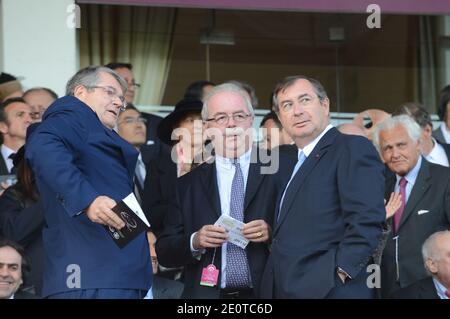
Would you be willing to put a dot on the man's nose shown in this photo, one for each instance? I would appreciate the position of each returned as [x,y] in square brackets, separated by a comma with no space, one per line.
[3,271]
[298,108]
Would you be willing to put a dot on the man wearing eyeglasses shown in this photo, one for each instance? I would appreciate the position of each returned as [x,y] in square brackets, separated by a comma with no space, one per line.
[233,185]
[329,218]
[82,169]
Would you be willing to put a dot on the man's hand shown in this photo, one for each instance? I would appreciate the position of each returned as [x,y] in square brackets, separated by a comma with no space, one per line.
[209,236]
[100,212]
[257,231]
[394,203]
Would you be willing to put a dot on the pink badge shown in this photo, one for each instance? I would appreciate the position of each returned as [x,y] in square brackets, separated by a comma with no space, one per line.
[209,276]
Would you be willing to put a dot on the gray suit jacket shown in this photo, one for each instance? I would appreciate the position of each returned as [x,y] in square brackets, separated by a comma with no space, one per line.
[427,211]
[437,134]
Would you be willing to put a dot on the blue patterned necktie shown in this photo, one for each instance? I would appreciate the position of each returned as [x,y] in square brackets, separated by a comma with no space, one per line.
[237,265]
[301,159]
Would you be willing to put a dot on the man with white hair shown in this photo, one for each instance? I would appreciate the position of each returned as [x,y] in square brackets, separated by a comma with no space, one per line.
[425,193]
[436,257]
[232,185]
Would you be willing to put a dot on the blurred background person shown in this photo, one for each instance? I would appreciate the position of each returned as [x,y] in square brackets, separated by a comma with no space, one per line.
[442,134]
[273,133]
[432,150]
[22,219]
[9,87]
[39,99]
[125,70]
[198,89]
[163,173]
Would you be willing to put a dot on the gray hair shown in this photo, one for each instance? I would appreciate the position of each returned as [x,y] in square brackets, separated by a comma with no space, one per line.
[289,81]
[90,76]
[227,87]
[249,89]
[411,127]
[429,249]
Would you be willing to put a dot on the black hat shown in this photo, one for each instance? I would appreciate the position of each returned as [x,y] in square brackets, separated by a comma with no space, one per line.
[182,108]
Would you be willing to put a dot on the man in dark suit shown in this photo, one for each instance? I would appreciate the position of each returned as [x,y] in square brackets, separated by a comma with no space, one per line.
[436,257]
[433,151]
[442,134]
[14,266]
[329,218]
[85,170]
[425,192]
[231,185]
[15,117]
[131,127]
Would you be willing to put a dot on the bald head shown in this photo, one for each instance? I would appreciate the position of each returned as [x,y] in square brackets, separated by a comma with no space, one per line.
[351,129]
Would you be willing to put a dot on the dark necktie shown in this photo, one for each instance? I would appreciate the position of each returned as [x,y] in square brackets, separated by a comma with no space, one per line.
[399,213]
[13,168]
[237,264]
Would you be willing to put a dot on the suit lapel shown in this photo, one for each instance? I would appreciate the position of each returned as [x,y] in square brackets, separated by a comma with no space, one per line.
[209,182]
[418,191]
[254,178]
[126,148]
[321,148]
[3,168]
[428,289]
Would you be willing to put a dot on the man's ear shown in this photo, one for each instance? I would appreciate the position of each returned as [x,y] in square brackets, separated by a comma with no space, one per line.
[326,104]
[431,266]
[80,92]
[3,128]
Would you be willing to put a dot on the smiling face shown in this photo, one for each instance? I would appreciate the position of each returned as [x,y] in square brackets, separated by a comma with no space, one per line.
[104,99]
[398,150]
[10,271]
[302,114]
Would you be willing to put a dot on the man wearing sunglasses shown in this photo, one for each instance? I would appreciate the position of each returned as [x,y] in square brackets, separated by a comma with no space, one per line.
[82,169]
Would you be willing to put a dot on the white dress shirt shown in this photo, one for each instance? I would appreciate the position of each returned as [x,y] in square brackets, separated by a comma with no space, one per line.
[410,178]
[446,133]
[437,155]
[440,289]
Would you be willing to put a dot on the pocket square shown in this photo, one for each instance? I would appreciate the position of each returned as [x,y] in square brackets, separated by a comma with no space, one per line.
[423,211]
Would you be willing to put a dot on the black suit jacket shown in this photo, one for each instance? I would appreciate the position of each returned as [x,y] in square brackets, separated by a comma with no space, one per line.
[423,289]
[427,211]
[159,190]
[25,295]
[198,204]
[331,217]
[23,221]
[3,168]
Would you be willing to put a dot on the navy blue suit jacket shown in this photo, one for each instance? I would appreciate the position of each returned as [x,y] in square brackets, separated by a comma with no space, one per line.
[75,158]
[331,217]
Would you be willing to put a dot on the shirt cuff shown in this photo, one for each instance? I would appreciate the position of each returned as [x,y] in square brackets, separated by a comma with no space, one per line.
[197,254]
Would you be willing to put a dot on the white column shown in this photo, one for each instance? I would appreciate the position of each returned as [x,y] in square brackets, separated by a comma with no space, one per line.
[38,42]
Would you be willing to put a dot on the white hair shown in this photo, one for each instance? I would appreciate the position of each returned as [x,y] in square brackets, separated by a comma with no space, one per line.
[411,127]
[429,249]
[227,87]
